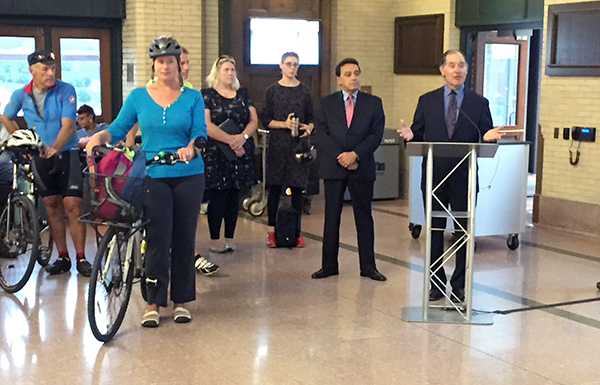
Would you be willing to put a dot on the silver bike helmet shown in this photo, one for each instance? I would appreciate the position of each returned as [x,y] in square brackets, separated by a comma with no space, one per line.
[163,46]
[24,138]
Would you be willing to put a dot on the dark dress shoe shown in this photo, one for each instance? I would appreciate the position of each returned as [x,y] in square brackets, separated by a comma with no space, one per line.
[435,294]
[324,273]
[374,275]
[458,295]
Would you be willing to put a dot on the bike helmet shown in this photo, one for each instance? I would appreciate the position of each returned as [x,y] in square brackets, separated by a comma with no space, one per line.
[25,138]
[305,153]
[163,46]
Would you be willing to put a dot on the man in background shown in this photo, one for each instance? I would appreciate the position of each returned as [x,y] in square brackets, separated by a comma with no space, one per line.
[86,121]
[349,126]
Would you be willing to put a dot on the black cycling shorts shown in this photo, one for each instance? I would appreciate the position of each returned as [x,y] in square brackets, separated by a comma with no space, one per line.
[59,175]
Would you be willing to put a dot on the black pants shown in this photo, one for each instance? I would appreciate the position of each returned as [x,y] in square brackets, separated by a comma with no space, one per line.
[172,206]
[361,193]
[273,201]
[223,206]
[457,199]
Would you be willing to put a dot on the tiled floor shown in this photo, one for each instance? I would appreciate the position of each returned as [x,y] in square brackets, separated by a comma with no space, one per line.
[262,320]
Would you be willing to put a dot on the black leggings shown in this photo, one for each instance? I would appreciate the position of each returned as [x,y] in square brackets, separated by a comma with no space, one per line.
[273,201]
[223,206]
[172,206]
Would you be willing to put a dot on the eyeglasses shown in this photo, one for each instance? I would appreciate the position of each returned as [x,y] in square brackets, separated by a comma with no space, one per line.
[292,64]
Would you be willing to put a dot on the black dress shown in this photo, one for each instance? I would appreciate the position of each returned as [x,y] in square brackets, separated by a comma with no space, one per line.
[219,172]
[282,168]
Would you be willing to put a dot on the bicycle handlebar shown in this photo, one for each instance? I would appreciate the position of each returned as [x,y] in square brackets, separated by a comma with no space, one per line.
[168,158]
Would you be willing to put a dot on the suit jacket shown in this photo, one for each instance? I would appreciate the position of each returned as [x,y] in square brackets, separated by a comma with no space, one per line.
[363,136]
[429,125]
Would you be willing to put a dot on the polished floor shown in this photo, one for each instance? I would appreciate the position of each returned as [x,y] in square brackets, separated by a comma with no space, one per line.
[262,320]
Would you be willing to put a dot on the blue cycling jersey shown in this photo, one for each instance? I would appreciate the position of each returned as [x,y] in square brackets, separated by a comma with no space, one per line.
[61,102]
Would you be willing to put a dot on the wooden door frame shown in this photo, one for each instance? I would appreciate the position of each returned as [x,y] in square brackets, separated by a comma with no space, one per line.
[488,37]
[232,36]
[103,35]
[37,33]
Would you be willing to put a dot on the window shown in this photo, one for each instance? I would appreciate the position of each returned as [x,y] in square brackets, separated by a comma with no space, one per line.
[500,82]
[80,67]
[14,70]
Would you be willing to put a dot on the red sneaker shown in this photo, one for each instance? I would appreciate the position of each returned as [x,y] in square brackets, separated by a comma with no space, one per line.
[300,241]
[271,239]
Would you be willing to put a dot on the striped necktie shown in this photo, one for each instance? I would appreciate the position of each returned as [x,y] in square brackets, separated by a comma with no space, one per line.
[451,116]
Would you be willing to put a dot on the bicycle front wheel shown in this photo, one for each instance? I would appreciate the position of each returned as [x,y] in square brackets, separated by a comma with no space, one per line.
[19,243]
[110,283]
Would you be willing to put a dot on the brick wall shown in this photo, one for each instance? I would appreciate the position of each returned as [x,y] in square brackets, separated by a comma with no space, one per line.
[365,30]
[210,36]
[408,88]
[565,102]
[148,19]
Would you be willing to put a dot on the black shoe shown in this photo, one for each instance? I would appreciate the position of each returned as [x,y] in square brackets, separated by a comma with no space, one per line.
[84,267]
[61,265]
[374,275]
[435,294]
[324,273]
[306,206]
[458,295]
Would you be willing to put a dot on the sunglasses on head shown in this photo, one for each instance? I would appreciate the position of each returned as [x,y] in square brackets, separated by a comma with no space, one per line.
[44,57]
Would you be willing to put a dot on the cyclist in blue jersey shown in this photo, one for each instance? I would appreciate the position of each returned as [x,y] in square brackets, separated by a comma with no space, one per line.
[49,108]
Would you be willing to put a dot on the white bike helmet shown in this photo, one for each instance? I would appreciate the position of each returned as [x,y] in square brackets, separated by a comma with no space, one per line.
[24,138]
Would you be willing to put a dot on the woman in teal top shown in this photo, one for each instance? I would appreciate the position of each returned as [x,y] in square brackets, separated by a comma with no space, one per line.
[171,117]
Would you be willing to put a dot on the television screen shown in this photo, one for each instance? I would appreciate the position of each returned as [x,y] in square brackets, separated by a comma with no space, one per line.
[270,38]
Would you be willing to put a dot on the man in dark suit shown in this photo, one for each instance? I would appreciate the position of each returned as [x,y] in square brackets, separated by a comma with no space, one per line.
[451,113]
[349,126]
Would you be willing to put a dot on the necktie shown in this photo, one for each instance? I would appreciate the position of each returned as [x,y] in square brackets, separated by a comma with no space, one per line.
[349,110]
[451,116]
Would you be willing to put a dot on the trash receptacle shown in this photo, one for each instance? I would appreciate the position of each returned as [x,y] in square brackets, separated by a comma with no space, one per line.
[387,160]
[387,163]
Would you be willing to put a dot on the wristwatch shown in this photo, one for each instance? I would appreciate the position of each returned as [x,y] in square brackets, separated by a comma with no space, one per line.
[246,136]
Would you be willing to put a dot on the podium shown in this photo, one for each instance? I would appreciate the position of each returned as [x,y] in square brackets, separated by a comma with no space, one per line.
[467,153]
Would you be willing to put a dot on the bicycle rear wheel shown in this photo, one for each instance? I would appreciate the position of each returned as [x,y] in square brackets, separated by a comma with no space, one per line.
[19,238]
[110,283]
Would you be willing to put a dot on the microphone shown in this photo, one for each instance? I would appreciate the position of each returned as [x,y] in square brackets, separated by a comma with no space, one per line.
[479,136]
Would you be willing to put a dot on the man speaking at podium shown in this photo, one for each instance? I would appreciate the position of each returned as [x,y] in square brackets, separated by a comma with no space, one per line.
[451,113]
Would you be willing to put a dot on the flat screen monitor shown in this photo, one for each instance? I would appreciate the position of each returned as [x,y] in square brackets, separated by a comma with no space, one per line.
[271,37]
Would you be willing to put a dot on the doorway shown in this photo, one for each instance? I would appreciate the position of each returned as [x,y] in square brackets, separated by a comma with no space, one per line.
[500,74]
[82,59]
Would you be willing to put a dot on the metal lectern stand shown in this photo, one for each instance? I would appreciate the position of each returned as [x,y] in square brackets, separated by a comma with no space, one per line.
[456,313]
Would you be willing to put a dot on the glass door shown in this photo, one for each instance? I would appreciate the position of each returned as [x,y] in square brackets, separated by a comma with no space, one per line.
[500,75]
[16,43]
[83,60]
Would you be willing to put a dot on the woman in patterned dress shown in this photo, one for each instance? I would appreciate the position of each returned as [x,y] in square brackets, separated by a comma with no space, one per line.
[226,177]
[286,100]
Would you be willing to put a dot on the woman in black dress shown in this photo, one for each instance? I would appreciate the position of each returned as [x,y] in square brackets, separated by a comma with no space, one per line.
[227,174]
[285,101]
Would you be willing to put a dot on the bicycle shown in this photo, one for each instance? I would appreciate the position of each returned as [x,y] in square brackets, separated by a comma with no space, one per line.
[119,259]
[24,232]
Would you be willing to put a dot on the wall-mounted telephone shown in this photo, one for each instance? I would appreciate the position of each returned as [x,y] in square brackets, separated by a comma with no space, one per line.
[584,134]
